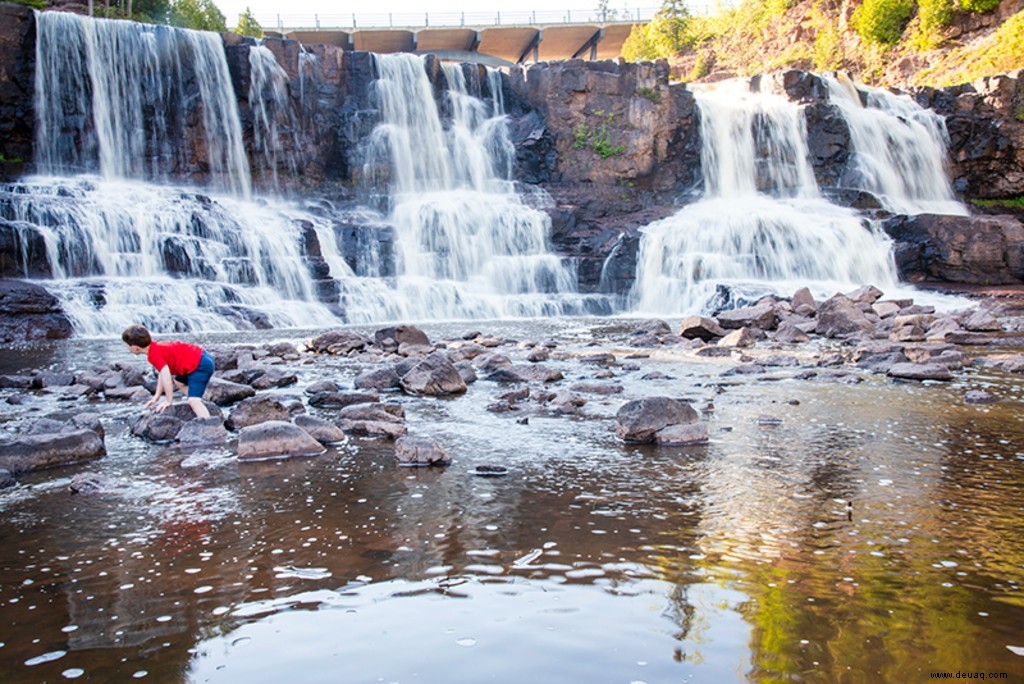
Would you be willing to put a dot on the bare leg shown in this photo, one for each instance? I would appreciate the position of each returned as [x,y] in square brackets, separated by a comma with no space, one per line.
[198,408]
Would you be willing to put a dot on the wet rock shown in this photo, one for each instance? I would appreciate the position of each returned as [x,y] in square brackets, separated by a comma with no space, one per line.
[886,309]
[982,321]
[16,399]
[920,371]
[335,400]
[878,356]
[538,355]
[701,328]
[682,435]
[7,479]
[275,439]
[909,328]
[46,379]
[29,312]
[803,303]
[420,451]
[639,420]
[520,394]
[225,392]
[566,403]
[373,428]
[201,432]
[525,373]
[80,421]
[89,483]
[271,377]
[338,343]
[36,452]
[402,334]
[745,369]
[597,388]
[979,397]
[255,410]
[1013,364]
[322,387]
[379,379]
[501,406]
[490,362]
[16,381]
[867,294]
[389,413]
[654,327]
[711,351]
[434,376]
[132,394]
[790,333]
[321,430]
[840,316]
[466,371]
[599,359]
[762,316]
[943,327]
[738,338]
[183,412]
[156,427]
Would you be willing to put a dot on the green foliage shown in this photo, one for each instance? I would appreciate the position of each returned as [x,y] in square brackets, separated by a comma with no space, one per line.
[776,8]
[999,53]
[1011,203]
[882,21]
[34,4]
[201,15]
[978,6]
[933,16]
[652,95]
[666,35]
[701,68]
[827,52]
[248,26]
[597,137]
[151,11]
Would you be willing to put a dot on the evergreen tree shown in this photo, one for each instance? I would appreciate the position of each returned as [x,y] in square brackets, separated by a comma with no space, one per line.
[248,26]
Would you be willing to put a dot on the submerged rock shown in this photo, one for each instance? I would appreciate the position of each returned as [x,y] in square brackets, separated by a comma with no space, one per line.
[89,483]
[276,439]
[420,451]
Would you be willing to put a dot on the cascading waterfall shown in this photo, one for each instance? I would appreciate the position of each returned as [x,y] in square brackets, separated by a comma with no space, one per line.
[762,225]
[898,150]
[466,244]
[273,116]
[109,99]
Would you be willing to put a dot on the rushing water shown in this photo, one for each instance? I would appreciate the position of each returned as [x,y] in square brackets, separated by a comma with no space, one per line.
[591,561]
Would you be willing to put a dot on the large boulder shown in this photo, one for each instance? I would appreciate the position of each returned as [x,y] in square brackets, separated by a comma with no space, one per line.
[393,338]
[275,439]
[641,419]
[701,328]
[323,431]
[762,316]
[36,452]
[29,312]
[256,410]
[156,426]
[225,392]
[202,432]
[339,342]
[519,372]
[420,451]
[373,420]
[435,376]
[840,316]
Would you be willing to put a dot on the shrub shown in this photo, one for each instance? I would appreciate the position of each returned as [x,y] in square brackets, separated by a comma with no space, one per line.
[979,6]
[882,21]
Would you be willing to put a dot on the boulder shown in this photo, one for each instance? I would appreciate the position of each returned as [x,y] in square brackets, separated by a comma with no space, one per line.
[29,312]
[866,294]
[789,333]
[7,479]
[402,334]
[336,400]
[89,483]
[652,327]
[420,451]
[840,316]
[920,371]
[466,371]
[379,379]
[738,338]
[525,373]
[762,316]
[538,355]
[434,376]
[322,387]
[682,435]
[803,303]
[373,420]
[385,412]
[225,392]
[37,452]
[338,342]
[255,410]
[275,439]
[701,328]
[490,362]
[201,432]
[270,377]
[982,321]
[321,430]
[639,420]
[156,426]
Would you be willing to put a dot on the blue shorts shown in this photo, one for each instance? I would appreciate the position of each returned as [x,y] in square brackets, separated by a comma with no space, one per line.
[198,379]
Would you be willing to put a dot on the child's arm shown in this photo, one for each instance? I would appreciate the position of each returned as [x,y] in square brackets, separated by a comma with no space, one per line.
[164,386]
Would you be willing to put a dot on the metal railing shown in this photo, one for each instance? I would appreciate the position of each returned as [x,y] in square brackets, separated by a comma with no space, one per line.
[288,22]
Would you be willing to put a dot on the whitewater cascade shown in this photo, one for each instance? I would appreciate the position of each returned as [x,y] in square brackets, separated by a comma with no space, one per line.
[898,149]
[466,244]
[762,225]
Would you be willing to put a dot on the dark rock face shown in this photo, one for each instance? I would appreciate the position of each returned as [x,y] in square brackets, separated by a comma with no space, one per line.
[17,88]
[966,249]
[29,312]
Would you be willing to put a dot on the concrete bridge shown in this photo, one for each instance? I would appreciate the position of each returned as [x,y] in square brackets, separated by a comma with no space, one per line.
[495,39]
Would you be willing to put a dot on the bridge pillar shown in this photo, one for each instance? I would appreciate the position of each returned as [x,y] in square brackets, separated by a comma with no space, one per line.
[591,44]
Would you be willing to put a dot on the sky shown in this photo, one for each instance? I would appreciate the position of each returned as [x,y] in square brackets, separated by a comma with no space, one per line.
[301,12]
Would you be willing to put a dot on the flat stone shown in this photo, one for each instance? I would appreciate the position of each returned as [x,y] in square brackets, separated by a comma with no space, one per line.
[700,327]
[682,435]
[526,373]
[276,439]
[200,432]
[323,431]
[256,410]
[920,371]
[336,400]
[36,452]
[225,392]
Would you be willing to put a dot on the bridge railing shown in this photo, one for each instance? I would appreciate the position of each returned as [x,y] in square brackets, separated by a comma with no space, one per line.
[286,22]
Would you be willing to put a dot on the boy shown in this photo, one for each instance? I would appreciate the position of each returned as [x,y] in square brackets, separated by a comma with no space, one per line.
[178,364]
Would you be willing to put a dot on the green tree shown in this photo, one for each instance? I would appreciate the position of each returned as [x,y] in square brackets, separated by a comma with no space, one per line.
[248,26]
[201,15]
[152,11]
[979,6]
[882,21]
[666,35]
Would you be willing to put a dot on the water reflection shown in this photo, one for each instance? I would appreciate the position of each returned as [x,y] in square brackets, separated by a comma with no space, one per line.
[591,561]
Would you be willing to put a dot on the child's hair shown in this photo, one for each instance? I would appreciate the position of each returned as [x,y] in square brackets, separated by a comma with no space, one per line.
[136,335]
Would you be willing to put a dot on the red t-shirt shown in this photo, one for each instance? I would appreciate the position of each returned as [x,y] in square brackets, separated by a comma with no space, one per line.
[180,357]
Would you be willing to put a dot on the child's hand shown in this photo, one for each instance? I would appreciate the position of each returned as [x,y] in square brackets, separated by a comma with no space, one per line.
[150,402]
[161,407]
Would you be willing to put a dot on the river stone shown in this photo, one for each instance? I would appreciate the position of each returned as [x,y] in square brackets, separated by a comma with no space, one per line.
[699,327]
[762,316]
[156,426]
[183,412]
[402,334]
[275,439]
[255,410]
[45,379]
[466,371]
[920,371]
[89,483]
[379,379]
[596,388]
[338,342]
[7,479]
[525,373]
[803,303]
[420,451]
[789,333]
[682,435]
[321,430]
[132,394]
[322,387]
[36,452]
[738,338]
[982,321]
[639,420]
[200,432]
[866,294]
[434,376]
[225,392]
[386,412]
[839,316]
[16,381]
[373,428]
[490,362]
[979,397]
[336,400]
[538,355]
[886,309]
[651,327]
[271,377]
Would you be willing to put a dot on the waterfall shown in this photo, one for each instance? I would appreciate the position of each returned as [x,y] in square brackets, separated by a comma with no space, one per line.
[762,225]
[273,117]
[110,99]
[898,150]
[466,244]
